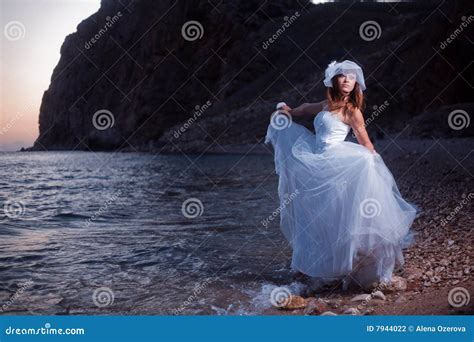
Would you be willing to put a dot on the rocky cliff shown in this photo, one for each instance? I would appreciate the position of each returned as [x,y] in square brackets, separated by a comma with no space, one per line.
[204,76]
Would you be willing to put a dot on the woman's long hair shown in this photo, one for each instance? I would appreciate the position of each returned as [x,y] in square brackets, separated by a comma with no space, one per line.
[336,99]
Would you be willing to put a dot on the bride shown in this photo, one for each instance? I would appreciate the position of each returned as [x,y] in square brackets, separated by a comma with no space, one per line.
[341,210]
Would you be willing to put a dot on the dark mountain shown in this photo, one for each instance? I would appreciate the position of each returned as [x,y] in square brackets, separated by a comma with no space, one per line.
[214,85]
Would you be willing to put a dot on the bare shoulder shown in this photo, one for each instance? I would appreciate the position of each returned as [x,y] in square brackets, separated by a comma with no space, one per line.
[356,118]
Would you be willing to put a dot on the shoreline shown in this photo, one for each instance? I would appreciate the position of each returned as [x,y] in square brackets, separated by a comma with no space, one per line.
[387,145]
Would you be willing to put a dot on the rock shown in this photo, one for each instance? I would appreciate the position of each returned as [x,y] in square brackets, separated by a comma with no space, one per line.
[335,303]
[397,284]
[315,307]
[294,303]
[361,298]
[378,295]
[414,273]
[444,262]
[401,299]
[351,311]
[328,313]
[368,311]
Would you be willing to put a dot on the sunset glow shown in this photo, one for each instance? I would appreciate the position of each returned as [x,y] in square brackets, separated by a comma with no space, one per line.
[32,35]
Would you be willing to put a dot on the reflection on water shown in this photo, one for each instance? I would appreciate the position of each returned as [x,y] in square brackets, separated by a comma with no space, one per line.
[78,222]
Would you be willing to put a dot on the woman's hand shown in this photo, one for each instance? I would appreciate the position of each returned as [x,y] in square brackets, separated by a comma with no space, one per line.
[283,107]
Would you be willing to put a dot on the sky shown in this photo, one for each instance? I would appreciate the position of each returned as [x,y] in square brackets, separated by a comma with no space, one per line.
[32,34]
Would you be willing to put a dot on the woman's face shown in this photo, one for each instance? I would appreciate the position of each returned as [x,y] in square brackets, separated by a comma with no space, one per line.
[346,82]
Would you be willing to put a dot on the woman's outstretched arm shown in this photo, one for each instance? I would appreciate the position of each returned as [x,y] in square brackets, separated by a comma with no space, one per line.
[358,126]
[306,109]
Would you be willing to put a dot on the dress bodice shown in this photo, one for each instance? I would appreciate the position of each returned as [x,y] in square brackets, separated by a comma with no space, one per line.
[329,128]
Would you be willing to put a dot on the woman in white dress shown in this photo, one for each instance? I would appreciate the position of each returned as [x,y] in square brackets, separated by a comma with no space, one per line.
[341,210]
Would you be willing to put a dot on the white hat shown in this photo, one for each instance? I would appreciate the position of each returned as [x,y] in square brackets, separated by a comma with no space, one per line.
[345,67]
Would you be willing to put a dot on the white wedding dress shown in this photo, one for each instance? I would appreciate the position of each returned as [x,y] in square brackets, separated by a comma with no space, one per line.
[340,208]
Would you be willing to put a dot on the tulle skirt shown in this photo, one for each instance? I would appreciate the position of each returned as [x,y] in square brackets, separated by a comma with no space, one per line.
[340,208]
